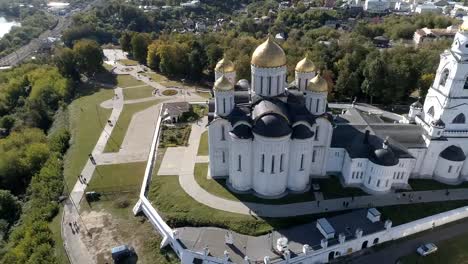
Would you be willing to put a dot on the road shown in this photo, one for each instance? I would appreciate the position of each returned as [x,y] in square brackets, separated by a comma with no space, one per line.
[29,49]
[391,253]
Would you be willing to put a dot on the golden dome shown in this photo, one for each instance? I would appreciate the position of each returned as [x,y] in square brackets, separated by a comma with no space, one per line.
[305,65]
[225,66]
[318,84]
[268,55]
[464,26]
[223,84]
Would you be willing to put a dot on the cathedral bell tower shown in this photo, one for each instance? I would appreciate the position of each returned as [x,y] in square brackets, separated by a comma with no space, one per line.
[446,103]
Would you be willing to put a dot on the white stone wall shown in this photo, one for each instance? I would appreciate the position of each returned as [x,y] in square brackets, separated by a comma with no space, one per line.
[448,171]
[219,144]
[316,103]
[268,81]
[336,157]
[224,102]
[269,180]
[240,177]
[302,79]
[299,164]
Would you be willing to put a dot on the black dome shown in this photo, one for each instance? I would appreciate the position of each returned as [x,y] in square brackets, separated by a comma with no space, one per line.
[453,153]
[243,84]
[272,125]
[417,104]
[384,157]
[302,132]
[438,123]
[242,131]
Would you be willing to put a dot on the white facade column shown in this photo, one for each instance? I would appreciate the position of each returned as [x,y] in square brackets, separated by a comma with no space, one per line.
[265,81]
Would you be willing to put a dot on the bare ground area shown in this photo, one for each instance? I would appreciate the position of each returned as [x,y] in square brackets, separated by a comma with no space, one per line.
[111,225]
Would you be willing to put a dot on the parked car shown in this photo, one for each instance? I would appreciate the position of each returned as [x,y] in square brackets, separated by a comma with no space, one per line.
[426,249]
[122,252]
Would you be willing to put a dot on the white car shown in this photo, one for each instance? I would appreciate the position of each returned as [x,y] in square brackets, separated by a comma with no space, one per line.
[426,249]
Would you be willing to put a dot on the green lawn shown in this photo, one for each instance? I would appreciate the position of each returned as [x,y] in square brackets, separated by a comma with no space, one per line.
[87,120]
[126,80]
[400,214]
[120,129]
[55,226]
[452,251]
[179,209]
[219,188]
[169,92]
[203,147]
[138,93]
[206,95]
[175,136]
[426,185]
[332,188]
[128,62]
[117,177]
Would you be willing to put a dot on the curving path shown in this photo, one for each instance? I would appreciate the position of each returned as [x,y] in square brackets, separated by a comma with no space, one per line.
[191,187]
[73,243]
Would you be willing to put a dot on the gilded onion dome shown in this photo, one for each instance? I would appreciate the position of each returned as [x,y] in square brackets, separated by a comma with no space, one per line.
[305,65]
[464,26]
[318,84]
[223,84]
[225,66]
[268,55]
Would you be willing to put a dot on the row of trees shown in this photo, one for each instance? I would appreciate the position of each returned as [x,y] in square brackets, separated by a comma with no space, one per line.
[31,179]
[85,58]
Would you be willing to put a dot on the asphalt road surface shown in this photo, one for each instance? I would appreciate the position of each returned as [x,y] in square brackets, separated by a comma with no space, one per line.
[397,249]
[28,50]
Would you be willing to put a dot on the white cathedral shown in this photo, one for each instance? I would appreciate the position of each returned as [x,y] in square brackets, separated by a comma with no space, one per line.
[272,138]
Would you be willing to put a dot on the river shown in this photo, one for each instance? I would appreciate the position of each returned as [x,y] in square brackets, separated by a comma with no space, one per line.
[5,25]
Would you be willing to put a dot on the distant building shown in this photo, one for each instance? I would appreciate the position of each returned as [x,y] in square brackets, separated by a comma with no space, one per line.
[429,35]
[191,4]
[200,26]
[173,111]
[427,8]
[376,6]
[381,42]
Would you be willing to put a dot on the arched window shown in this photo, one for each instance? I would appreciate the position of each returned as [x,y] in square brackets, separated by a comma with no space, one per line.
[431,111]
[443,77]
[459,119]
[466,84]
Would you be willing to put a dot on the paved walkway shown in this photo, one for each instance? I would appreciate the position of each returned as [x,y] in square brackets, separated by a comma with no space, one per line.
[191,187]
[135,148]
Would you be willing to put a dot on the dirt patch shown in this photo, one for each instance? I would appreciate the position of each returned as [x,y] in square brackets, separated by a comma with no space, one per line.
[107,232]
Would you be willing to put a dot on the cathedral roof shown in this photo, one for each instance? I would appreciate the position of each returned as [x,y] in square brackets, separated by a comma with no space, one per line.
[305,65]
[318,84]
[268,55]
[223,84]
[302,132]
[242,131]
[225,66]
[272,125]
[453,153]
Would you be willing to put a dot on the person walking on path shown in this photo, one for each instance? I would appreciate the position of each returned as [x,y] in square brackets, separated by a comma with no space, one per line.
[91,158]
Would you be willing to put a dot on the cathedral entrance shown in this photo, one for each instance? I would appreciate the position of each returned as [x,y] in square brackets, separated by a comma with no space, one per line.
[331,255]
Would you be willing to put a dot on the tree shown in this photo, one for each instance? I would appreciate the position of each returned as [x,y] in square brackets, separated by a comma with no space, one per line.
[126,41]
[10,207]
[153,58]
[89,56]
[66,63]
[375,76]
[197,61]
[140,42]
